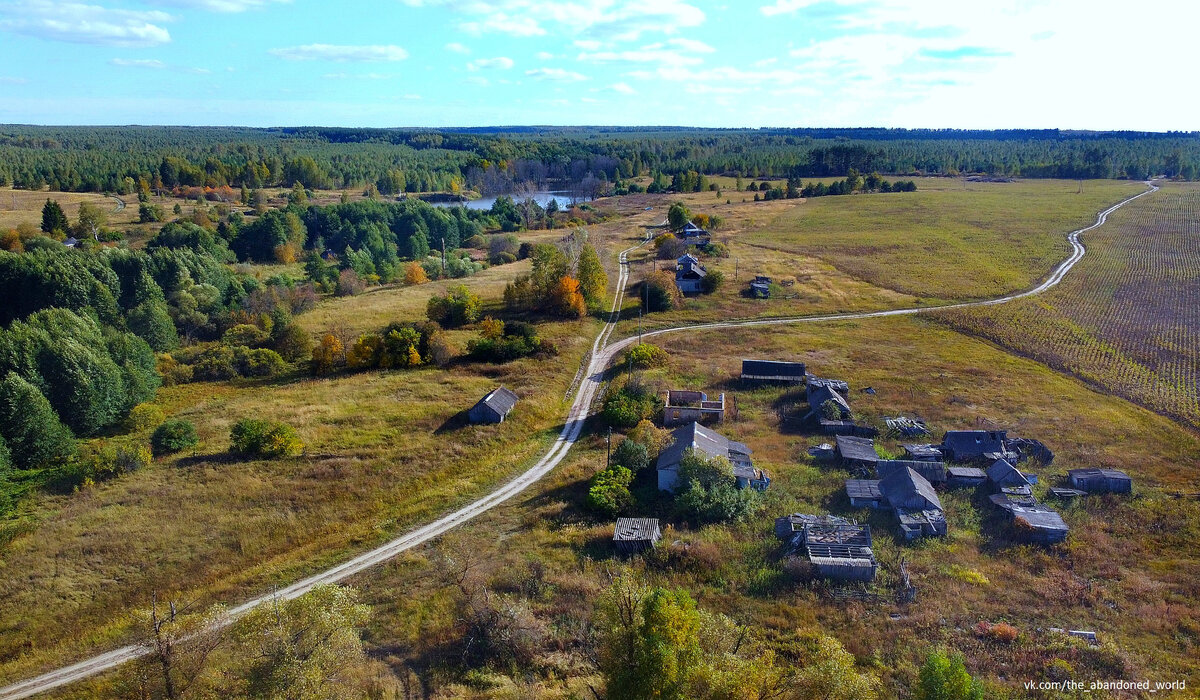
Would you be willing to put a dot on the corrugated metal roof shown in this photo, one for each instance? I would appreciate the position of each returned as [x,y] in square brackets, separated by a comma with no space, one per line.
[500,400]
[707,442]
[636,530]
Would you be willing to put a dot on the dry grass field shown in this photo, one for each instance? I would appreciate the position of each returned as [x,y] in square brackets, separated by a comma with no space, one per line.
[25,206]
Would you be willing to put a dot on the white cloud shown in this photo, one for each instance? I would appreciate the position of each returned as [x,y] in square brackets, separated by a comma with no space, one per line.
[12,80]
[84,24]
[691,45]
[360,76]
[219,5]
[781,7]
[556,75]
[457,48]
[622,88]
[498,63]
[137,63]
[331,52]
[657,54]
[610,20]
[478,80]
[545,56]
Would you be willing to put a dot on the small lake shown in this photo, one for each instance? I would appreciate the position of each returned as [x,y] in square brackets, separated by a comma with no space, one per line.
[542,197]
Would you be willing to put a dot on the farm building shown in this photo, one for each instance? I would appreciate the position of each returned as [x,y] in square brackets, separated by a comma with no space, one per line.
[690,406]
[965,477]
[933,472]
[689,274]
[857,451]
[772,371]
[1005,477]
[1100,480]
[691,230]
[840,549]
[494,407]
[922,453]
[708,443]
[1032,521]
[971,445]
[865,493]
[760,288]
[633,535]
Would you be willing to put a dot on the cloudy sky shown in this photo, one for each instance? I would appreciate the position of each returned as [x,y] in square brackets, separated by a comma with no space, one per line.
[1094,64]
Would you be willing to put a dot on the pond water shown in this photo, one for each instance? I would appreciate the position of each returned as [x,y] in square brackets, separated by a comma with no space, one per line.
[542,197]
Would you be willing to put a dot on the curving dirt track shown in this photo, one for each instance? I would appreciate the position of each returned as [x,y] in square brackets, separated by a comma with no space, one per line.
[599,359]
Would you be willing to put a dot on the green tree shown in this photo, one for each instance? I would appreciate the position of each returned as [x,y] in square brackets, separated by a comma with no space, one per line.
[609,491]
[678,216]
[263,438]
[648,641]
[5,464]
[34,434]
[944,676]
[593,280]
[306,648]
[460,306]
[151,321]
[53,218]
[632,455]
[92,220]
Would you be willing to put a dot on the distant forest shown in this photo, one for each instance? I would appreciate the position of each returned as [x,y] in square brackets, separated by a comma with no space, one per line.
[491,161]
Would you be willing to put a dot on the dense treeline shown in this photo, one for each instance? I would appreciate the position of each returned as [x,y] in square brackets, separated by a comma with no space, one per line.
[420,160]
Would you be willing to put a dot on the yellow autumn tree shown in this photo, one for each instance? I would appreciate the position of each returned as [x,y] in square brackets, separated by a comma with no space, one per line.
[491,328]
[327,355]
[415,274]
[566,299]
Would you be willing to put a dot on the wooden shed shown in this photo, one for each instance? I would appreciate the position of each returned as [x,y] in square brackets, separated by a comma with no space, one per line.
[1095,480]
[773,372]
[857,451]
[494,407]
[633,535]
[933,472]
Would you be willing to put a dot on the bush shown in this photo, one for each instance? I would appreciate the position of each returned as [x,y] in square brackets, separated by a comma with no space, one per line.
[349,284]
[712,281]
[263,438]
[628,404]
[645,356]
[260,362]
[631,455]
[609,493]
[215,364]
[173,436]
[291,341]
[459,307]
[144,416]
[661,294]
[245,334]
[112,462]
[172,371]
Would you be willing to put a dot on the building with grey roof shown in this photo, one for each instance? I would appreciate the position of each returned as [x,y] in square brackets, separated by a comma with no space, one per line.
[708,443]
[494,407]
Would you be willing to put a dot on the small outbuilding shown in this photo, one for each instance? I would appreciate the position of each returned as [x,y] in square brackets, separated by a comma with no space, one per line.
[840,550]
[1008,479]
[1032,521]
[773,372]
[972,445]
[933,472]
[633,535]
[922,453]
[760,288]
[494,407]
[857,451]
[865,493]
[1095,480]
[965,477]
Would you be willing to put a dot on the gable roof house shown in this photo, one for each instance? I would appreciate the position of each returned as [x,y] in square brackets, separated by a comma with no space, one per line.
[691,230]
[917,506]
[633,535]
[933,472]
[689,274]
[773,371]
[1095,480]
[494,407]
[708,443]
[1008,479]
[1032,521]
[970,445]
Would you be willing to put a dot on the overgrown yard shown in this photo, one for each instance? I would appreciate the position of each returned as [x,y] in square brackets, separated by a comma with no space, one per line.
[1126,571]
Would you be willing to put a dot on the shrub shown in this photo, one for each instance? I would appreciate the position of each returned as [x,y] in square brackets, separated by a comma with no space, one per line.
[609,493]
[661,294]
[458,307]
[172,371]
[215,364]
[110,462]
[944,675]
[245,334]
[173,436]
[263,438]
[291,341]
[998,632]
[144,416]
[631,455]
[260,362]
[626,405]
[349,284]
[415,274]
[645,356]
[712,281]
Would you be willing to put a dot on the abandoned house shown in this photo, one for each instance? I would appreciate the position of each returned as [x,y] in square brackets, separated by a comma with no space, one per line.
[1006,478]
[906,427]
[923,453]
[760,287]
[1095,480]
[972,445]
[633,535]
[494,407]
[839,549]
[917,506]
[708,443]
[691,406]
[1030,449]
[857,451]
[933,472]
[689,274]
[965,477]
[773,372]
[691,230]
[1032,521]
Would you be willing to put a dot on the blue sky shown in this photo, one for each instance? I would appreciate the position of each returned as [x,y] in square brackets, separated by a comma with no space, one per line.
[907,63]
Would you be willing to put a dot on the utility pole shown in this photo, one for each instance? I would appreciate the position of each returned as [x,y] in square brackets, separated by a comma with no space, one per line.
[735,269]
[608,460]
[443,255]
[640,341]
